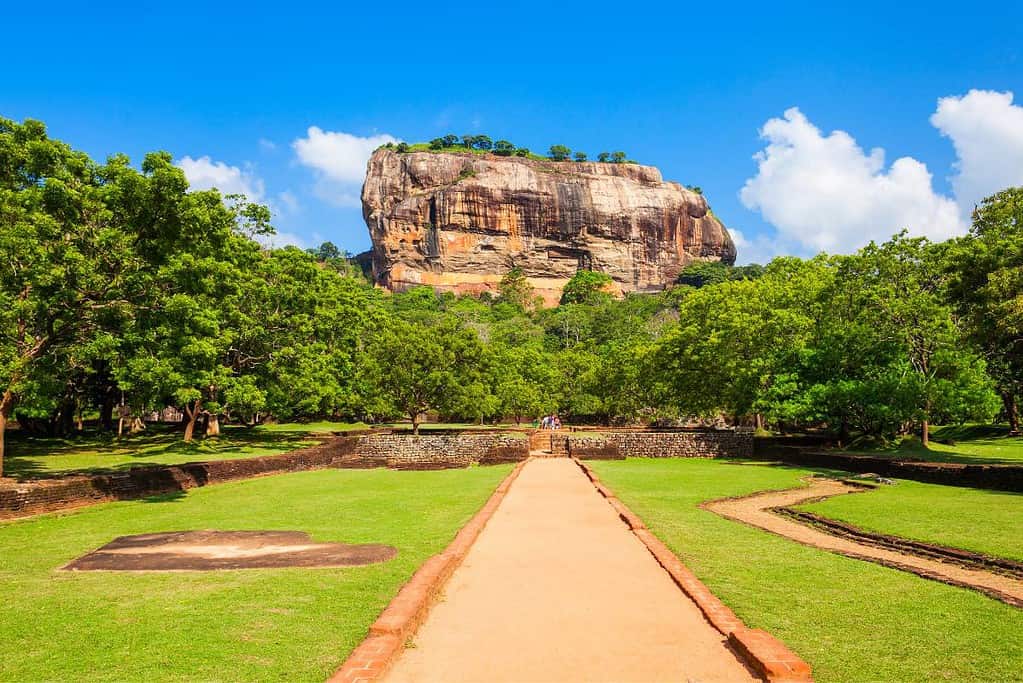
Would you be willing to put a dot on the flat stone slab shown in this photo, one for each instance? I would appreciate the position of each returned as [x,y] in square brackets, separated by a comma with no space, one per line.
[215,550]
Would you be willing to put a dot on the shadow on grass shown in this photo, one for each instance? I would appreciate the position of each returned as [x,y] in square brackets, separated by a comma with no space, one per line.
[32,457]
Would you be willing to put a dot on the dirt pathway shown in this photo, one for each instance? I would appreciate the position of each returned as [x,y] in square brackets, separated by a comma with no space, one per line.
[755,511]
[557,589]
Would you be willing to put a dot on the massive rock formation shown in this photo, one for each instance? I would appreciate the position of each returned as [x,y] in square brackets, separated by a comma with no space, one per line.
[459,222]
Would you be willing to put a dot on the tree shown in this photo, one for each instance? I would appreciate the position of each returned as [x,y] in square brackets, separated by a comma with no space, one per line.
[986,286]
[695,188]
[68,263]
[437,143]
[482,142]
[603,157]
[515,289]
[618,157]
[580,156]
[449,140]
[736,340]
[401,148]
[899,285]
[586,286]
[702,273]
[468,140]
[327,251]
[422,366]
[504,148]
[559,153]
[522,152]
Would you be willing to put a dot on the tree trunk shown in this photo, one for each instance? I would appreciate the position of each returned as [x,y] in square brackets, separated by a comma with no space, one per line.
[106,413]
[212,425]
[192,413]
[137,425]
[415,424]
[925,434]
[6,405]
[759,421]
[1012,412]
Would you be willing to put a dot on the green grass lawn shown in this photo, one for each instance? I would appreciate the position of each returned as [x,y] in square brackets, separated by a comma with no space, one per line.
[974,445]
[35,457]
[279,624]
[321,427]
[983,521]
[852,620]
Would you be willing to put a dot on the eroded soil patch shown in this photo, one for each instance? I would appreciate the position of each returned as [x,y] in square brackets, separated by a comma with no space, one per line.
[761,510]
[212,550]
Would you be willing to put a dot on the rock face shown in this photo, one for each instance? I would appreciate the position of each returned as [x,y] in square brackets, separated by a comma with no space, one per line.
[459,222]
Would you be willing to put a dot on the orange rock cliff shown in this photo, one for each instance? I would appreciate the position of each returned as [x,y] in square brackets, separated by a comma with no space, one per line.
[460,221]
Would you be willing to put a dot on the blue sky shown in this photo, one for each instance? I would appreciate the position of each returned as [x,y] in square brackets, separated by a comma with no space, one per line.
[687,88]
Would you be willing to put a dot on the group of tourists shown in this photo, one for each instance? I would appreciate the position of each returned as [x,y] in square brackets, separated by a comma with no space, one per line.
[550,422]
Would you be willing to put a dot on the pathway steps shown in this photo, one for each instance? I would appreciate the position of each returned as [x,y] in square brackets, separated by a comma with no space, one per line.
[556,588]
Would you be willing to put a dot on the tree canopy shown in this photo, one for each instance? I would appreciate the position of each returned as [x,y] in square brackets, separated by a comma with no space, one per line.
[124,289]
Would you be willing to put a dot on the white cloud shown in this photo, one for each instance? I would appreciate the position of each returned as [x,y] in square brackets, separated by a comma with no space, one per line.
[339,160]
[823,192]
[288,201]
[204,173]
[267,145]
[759,248]
[340,157]
[986,129]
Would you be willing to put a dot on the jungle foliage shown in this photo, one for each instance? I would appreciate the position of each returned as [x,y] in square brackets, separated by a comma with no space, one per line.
[123,291]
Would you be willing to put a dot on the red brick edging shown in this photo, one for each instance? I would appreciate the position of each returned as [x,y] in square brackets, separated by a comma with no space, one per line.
[767,655]
[400,619]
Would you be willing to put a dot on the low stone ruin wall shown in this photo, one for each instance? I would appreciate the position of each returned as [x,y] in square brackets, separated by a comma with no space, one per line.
[400,451]
[682,444]
[42,495]
[436,451]
[593,448]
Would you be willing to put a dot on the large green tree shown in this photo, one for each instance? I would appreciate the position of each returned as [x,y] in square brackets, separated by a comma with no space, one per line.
[423,365]
[986,286]
[66,263]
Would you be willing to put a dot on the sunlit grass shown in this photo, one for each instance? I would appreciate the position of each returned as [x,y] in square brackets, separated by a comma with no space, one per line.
[247,625]
[852,620]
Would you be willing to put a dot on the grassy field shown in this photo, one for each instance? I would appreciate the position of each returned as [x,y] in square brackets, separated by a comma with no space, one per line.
[983,521]
[321,427]
[852,620]
[973,445]
[34,456]
[280,624]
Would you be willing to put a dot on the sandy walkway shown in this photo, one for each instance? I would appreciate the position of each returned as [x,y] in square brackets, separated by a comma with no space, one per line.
[754,510]
[557,589]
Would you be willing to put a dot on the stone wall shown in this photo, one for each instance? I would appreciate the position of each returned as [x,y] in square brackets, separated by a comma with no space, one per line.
[593,448]
[683,444]
[400,451]
[436,451]
[43,495]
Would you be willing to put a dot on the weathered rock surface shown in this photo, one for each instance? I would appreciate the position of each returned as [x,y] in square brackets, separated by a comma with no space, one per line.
[459,222]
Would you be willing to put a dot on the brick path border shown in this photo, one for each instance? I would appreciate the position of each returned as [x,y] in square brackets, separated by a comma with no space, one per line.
[398,622]
[767,655]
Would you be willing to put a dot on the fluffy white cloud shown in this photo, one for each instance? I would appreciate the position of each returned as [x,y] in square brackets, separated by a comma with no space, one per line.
[986,129]
[340,157]
[760,248]
[823,192]
[204,173]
